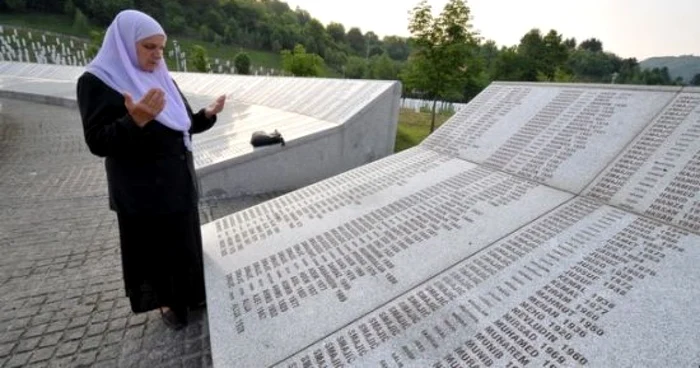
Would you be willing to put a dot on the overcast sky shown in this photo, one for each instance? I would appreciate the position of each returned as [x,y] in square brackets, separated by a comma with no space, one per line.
[629,28]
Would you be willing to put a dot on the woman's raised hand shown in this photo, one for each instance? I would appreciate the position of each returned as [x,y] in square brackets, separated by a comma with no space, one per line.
[215,107]
[145,110]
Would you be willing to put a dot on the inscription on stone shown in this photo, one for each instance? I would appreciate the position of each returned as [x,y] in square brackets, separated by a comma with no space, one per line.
[561,135]
[550,305]
[471,250]
[659,174]
[400,210]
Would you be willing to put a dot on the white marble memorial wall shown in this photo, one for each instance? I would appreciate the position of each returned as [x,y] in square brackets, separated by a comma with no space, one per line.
[543,225]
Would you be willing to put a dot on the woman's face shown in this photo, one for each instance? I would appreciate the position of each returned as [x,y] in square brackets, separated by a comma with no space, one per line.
[149,51]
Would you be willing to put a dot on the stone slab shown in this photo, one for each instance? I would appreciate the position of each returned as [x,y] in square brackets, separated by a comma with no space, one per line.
[658,175]
[282,274]
[569,290]
[561,135]
[469,250]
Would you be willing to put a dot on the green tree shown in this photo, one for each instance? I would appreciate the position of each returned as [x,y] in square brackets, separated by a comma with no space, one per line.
[439,65]
[592,45]
[696,80]
[316,37]
[336,31]
[555,55]
[80,22]
[356,67]
[173,17]
[356,40]
[373,46]
[69,8]
[592,67]
[242,63]
[570,43]
[16,5]
[155,9]
[199,59]
[509,65]
[96,38]
[103,11]
[335,59]
[300,63]
[488,53]
[532,50]
[396,47]
[382,67]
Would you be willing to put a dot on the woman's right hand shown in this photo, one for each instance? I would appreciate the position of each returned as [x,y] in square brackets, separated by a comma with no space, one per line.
[150,105]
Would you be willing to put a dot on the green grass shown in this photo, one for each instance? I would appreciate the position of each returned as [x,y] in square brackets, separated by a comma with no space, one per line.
[51,23]
[414,127]
[229,52]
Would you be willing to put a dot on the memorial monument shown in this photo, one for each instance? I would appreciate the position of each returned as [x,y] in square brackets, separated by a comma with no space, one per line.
[329,125]
[553,225]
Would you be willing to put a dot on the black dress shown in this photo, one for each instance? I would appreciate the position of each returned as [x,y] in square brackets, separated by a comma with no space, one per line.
[153,189]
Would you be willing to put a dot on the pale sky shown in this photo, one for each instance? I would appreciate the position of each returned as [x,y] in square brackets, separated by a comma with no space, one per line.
[629,28]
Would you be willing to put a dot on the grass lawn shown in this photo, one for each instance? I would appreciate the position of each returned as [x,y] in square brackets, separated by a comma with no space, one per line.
[414,127]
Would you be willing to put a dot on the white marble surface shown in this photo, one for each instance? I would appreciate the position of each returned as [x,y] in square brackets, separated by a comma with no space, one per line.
[407,210]
[581,296]
[499,270]
[658,175]
[560,135]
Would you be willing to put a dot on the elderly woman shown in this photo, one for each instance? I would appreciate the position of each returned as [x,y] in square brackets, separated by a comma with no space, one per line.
[134,115]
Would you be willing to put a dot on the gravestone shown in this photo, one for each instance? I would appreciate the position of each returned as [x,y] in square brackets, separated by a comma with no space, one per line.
[552,225]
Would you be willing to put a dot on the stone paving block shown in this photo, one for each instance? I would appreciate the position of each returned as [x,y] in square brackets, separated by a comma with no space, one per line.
[91,342]
[96,328]
[35,331]
[134,333]
[113,337]
[138,319]
[63,362]
[117,324]
[67,348]
[50,339]
[78,322]
[18,360]
[10,336]
[85,359]
[74,334]
[108,353]
[62,302]
[5,349]
[42,354]
[42,364]
[58,325]
[27,344]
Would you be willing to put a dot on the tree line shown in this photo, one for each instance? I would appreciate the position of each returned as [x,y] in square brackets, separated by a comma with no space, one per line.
[441,48]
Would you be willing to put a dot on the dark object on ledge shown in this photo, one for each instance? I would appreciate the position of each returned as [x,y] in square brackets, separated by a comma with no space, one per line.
[261,138]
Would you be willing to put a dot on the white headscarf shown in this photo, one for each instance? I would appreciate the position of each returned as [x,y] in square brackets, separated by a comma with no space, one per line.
[116,64]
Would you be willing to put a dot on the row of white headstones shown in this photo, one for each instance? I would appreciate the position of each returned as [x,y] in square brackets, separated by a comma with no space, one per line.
[15,46]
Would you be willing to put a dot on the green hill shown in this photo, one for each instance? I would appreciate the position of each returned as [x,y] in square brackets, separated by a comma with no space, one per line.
[61,26]
[685,66]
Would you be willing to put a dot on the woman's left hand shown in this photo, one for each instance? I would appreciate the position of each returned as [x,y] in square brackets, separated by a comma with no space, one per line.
[215,107]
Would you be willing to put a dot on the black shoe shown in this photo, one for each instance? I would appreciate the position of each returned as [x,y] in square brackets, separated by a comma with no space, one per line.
[172,320]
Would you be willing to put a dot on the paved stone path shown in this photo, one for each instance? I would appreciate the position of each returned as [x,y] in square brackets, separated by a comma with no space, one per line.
[62,301]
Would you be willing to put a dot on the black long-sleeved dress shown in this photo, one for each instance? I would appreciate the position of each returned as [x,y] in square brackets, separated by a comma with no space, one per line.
[153,189]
